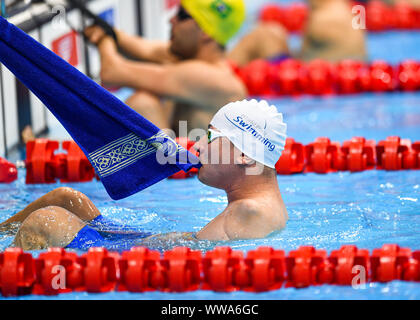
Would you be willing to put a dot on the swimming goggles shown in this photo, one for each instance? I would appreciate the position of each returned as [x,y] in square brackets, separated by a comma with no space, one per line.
[213,135]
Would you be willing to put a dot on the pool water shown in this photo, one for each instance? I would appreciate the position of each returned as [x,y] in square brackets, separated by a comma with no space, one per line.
[367,209]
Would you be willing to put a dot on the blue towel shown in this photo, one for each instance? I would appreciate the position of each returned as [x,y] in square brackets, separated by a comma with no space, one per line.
[125,149]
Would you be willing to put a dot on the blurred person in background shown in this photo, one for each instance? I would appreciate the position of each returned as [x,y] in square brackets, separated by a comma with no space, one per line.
[185,79]
[328,34]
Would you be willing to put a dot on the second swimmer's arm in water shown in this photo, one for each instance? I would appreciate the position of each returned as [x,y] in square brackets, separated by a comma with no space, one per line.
[245,219]
[173,236]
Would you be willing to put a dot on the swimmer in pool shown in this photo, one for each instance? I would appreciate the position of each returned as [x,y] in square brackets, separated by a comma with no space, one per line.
[328,35]
[185,79]
[244,141]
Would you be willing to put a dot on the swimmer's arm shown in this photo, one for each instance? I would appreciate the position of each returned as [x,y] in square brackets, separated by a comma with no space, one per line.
[136,47]
[144,49]
[150,77]
[191,82]
[322,33]
[204,85]
[168,239]
[173,235]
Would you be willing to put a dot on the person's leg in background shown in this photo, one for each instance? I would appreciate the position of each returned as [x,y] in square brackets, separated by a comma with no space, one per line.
[69,199]
[48,227]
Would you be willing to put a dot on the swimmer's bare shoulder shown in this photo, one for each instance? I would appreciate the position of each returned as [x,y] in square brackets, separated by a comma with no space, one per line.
[236,217]
[237,221]
[253,219]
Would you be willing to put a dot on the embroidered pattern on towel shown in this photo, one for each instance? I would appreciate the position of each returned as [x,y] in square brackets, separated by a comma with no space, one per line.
[127,150]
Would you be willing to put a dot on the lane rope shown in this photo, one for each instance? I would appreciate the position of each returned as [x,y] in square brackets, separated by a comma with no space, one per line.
[45,165]
[292,77]
[58,271]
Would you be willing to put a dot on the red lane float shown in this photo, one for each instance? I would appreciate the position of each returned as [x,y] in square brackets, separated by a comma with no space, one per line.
[292,159]
[100,271]
[266,269]
[379,16]
[359,154]
[45,165]
[408,75]
[17,272]
[78,168]
[224,270]
[272,13]
[321,156]
[293,17]
[140,270]
[391,263]
[317,77]
[57,271]
[416,150]
[258,77]
[40,162]
[381,77]
[286,78]
[344,260]
[182,270]
[8,171]
[349,77]
[307,266]
[355,155]
[292,77]
[396,154]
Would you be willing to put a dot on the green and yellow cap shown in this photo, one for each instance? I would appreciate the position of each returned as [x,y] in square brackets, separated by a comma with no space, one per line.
[220,19]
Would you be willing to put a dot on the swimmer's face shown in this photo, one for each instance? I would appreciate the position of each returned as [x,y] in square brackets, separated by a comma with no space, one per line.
[185,35]
[217,157]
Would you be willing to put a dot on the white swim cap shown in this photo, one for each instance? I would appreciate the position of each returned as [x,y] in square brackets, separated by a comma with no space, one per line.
[255,128]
